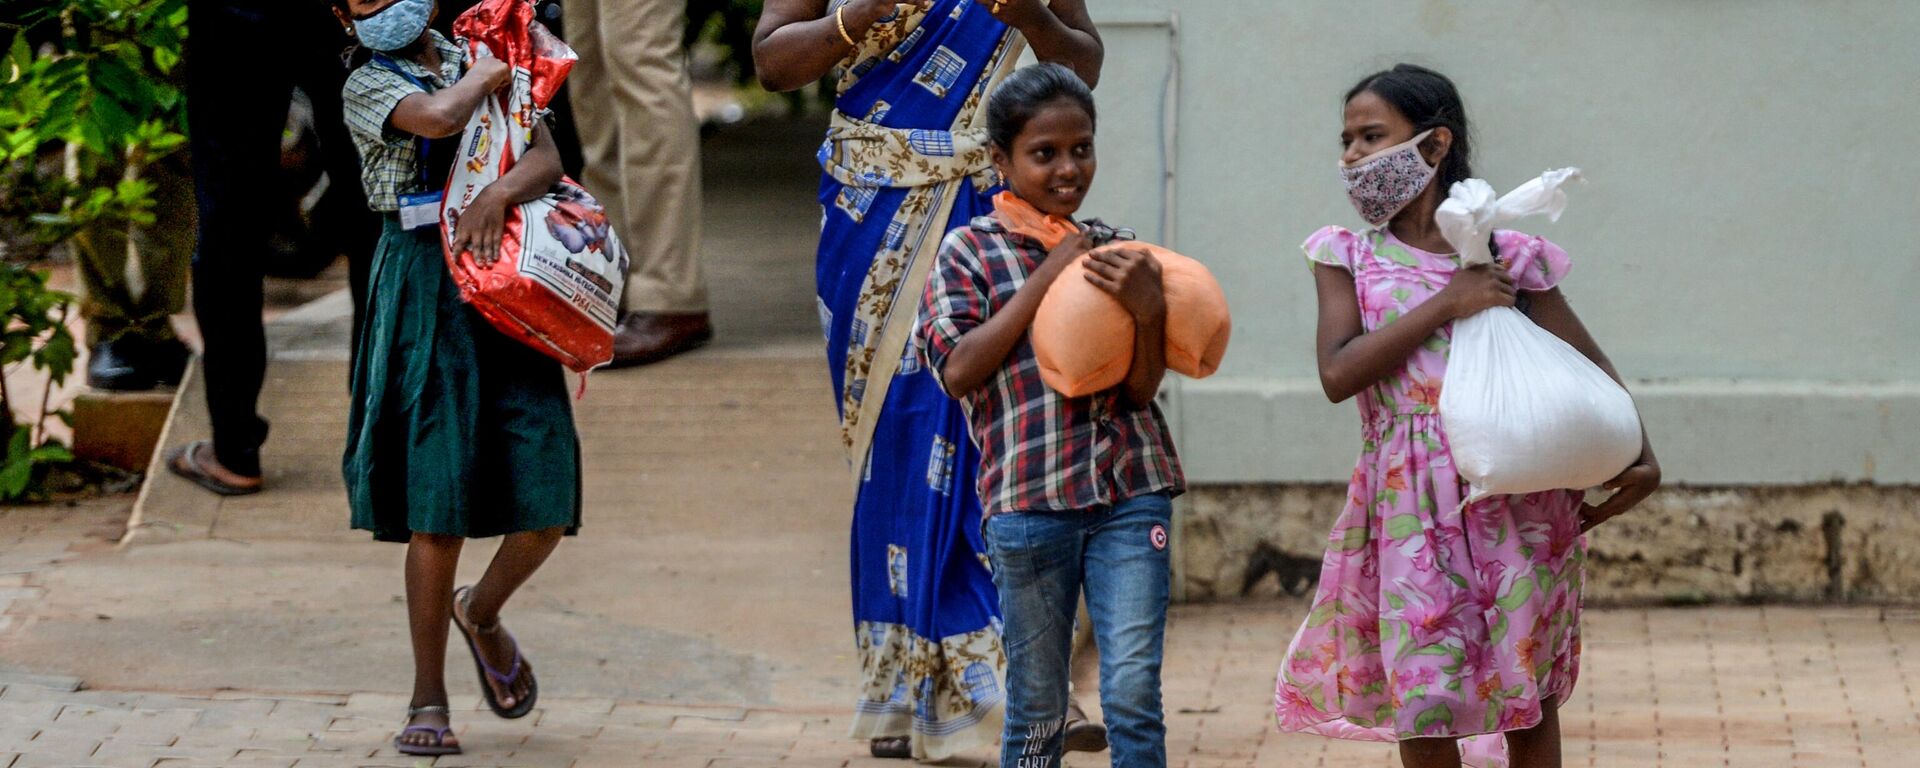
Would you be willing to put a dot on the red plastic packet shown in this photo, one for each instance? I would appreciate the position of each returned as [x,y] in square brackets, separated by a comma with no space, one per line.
[556,286]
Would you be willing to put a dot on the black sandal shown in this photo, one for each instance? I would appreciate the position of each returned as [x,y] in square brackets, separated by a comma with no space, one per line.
[891,748]
[520,708]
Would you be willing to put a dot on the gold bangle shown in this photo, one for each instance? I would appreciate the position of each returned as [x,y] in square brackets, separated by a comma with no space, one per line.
[840,17]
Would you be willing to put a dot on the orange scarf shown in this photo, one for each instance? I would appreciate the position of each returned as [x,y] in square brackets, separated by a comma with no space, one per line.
[1020,217]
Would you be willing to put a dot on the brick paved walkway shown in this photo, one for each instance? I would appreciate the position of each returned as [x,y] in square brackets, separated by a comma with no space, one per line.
[1734,687]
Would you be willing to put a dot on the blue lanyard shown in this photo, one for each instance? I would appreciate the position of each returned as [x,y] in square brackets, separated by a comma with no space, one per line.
[425,144]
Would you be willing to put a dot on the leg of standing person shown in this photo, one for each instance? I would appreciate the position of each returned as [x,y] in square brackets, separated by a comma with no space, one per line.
[1036,569]
[341,219]
[237,99]
[640,143]
[552,13]
[1430,753]
[519,556]
[1539,746]
[431,562]
[1129,580]
[133,278]
[1084,734]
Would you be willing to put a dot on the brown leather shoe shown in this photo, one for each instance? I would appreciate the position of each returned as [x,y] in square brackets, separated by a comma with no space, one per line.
[645,338]
[1082,734]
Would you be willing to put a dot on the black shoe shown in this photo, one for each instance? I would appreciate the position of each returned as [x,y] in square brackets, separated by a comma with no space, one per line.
[643,339]
[129,364]
[168,361]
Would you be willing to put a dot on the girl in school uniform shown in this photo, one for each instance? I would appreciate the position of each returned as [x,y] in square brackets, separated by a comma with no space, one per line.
[456,432]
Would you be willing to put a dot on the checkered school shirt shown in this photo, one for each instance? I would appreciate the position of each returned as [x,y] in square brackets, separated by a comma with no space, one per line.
[389,158]
[1039,451]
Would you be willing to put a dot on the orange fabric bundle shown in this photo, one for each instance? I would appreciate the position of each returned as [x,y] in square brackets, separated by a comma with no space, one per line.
[1083,337]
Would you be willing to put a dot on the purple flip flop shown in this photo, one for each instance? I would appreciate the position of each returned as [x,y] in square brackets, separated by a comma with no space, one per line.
[437,748]
[486,673]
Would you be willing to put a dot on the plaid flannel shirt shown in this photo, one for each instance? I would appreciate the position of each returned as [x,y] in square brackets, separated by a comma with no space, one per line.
[390,158]
[1039,451]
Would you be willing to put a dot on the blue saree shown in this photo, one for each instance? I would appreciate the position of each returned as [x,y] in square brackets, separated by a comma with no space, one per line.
[906,161]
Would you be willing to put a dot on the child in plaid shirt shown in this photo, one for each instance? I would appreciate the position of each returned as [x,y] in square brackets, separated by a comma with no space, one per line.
[1077,491]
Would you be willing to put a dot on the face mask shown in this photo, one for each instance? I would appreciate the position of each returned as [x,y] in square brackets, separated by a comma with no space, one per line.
[1384,182]
[395,26]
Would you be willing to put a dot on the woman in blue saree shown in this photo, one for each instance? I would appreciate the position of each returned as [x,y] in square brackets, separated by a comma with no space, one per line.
[905,161]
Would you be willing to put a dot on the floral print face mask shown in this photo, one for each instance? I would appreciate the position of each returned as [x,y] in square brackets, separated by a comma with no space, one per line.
[1384,182]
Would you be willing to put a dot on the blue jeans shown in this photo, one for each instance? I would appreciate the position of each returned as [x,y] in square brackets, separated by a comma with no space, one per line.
[1041,561]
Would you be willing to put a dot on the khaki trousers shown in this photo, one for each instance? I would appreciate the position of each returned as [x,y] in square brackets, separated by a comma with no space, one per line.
[633,105]
[133,278]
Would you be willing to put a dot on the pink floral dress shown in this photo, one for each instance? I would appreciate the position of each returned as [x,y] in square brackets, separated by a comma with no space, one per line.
[1431,621]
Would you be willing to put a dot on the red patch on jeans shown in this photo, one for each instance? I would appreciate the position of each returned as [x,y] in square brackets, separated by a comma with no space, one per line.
[1159,537]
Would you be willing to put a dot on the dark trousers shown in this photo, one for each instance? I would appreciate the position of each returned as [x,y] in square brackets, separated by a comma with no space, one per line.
[244,57]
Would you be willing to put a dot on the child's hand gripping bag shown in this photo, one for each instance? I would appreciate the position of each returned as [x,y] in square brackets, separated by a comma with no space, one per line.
[556,286]
[1523,410]
[1083,337]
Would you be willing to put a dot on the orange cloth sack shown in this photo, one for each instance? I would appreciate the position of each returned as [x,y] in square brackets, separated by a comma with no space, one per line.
[1083,337]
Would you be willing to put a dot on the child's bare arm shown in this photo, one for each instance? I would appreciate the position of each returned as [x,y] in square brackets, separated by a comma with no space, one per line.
[1351,359]
[1132,276]
[1058,31]
[445,112]
[484,220]
[1550,310]
[984,349]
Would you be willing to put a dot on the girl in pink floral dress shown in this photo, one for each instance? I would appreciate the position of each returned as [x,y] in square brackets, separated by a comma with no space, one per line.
[1434,623]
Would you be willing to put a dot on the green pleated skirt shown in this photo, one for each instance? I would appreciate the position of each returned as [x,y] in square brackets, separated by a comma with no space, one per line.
[455,429]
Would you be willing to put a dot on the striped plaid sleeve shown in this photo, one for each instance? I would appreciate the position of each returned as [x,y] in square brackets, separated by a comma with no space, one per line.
[955,301]
[369,98]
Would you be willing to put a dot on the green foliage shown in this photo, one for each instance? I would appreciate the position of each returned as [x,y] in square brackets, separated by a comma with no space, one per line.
[89,98]
[729,25]
[97,76]
[35,333]
[25,464]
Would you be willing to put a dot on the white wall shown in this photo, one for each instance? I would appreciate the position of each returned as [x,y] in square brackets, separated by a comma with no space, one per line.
[1746,249]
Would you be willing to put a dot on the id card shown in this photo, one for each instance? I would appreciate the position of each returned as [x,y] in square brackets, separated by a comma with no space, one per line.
[420,209]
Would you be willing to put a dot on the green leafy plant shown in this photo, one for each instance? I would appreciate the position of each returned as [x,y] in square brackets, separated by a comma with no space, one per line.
[88,102]
[729,25]
[36,334]
[100,93]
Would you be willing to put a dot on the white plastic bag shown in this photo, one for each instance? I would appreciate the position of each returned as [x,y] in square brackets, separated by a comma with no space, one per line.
[1523,410]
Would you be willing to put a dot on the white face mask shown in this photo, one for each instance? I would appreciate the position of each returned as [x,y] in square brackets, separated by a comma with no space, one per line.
[1381,184]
